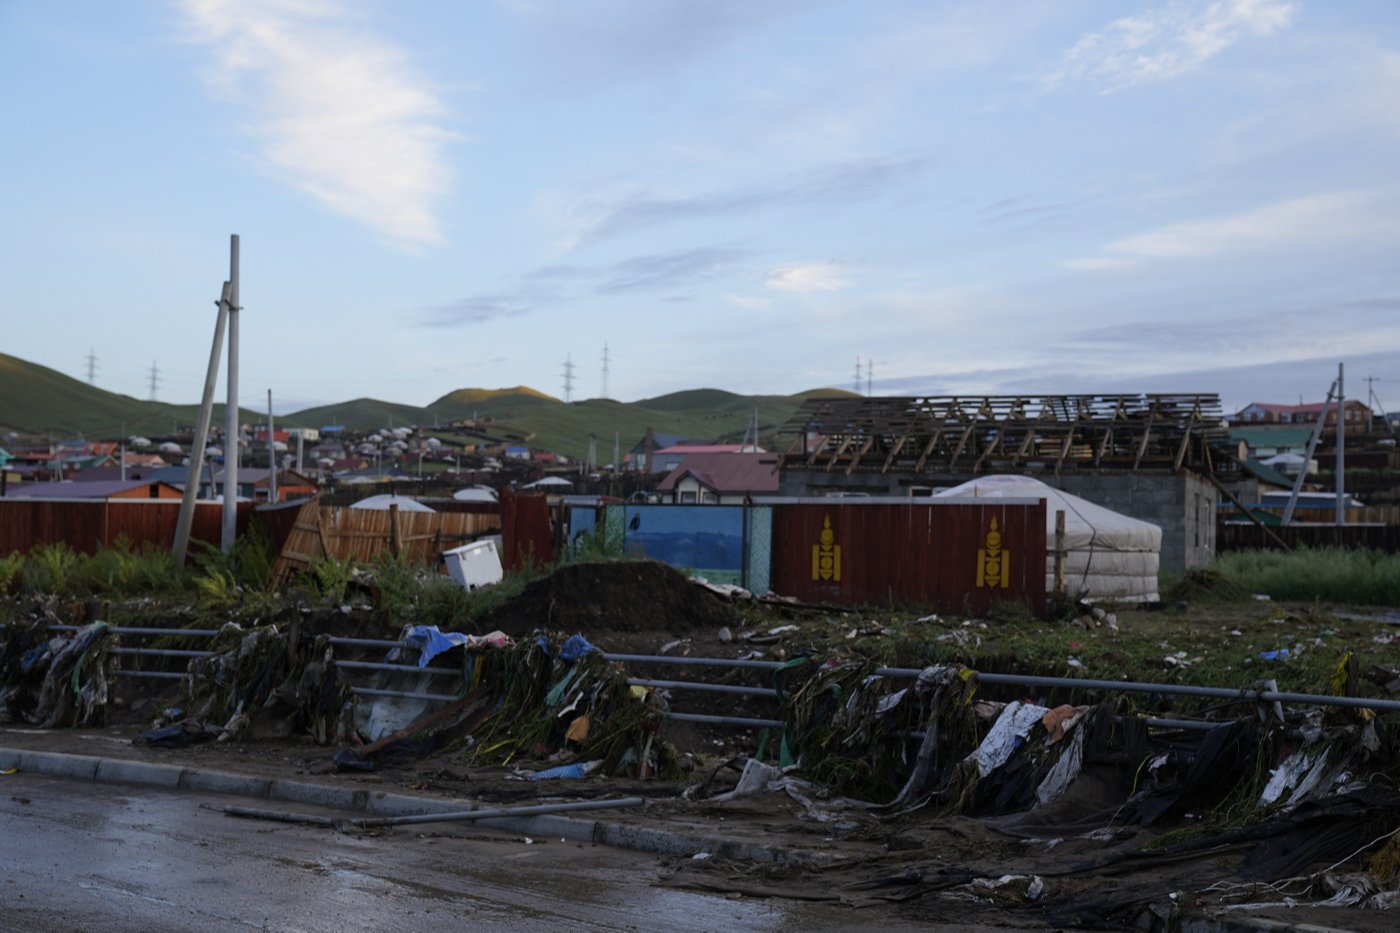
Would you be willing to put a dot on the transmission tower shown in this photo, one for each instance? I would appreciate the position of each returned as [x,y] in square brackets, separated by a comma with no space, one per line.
[858,378]
[92,366]
[606,361]
[870,377]
[155,379]
[568,378]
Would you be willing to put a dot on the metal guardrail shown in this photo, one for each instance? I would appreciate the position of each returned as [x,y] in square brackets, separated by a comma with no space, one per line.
[1025,680]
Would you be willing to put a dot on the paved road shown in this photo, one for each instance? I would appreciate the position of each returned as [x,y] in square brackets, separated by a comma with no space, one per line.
[81,856]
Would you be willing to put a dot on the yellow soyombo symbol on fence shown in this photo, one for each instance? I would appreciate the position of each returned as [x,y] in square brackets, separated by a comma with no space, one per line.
[993,561]
[826,556]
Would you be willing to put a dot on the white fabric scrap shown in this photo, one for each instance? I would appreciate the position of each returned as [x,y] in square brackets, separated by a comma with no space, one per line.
[1065,770]
[1006,735]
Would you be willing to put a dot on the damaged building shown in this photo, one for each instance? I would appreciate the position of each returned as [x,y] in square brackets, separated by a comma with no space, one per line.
[1158,458]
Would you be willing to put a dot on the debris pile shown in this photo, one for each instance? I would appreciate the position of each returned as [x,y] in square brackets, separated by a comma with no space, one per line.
[612,596]
[57,680]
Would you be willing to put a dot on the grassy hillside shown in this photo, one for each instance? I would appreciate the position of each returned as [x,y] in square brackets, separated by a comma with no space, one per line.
[36,400]
[361,414]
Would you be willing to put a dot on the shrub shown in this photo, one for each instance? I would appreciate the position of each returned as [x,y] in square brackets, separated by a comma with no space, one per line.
[11,572]
[51,568]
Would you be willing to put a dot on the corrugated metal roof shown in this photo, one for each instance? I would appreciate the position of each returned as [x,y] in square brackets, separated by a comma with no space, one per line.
[727,472]
[77,489]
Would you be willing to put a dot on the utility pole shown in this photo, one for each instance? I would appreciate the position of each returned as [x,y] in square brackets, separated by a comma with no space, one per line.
[1341,449]
[201,435]
[870,376]
[568,378]
[1370,402]
[92,366]
[617,452]
[155,379]
[230,524]
[271,453]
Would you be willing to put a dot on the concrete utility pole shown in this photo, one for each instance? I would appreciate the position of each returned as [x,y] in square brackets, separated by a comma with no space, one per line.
[271,453]
[230,526]
[201,436]
[1341,448]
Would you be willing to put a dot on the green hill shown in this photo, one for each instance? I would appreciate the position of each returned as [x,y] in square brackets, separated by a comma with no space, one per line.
[38,401]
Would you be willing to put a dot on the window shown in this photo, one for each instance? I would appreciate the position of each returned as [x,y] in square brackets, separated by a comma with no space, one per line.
[688,495]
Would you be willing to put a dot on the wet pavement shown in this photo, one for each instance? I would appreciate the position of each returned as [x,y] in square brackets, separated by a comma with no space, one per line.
[79,855]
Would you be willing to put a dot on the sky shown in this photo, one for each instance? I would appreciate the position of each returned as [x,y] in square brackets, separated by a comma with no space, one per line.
[763,196]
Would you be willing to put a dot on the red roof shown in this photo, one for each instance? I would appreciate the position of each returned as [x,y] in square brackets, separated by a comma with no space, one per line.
[727,473]
[1310,408]
[701,449]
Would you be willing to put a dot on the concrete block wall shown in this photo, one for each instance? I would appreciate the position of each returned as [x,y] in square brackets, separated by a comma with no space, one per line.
[1183,505]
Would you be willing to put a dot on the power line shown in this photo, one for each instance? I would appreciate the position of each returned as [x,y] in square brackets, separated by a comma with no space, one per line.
[606,361]
[568,378]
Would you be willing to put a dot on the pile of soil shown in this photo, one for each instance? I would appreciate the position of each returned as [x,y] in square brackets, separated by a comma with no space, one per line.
[612,596]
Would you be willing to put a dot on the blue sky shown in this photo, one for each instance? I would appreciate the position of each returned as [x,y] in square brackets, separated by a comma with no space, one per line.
[1067,196]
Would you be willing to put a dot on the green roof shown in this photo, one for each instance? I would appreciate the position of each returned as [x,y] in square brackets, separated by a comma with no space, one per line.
[1266,474]
[1272,437]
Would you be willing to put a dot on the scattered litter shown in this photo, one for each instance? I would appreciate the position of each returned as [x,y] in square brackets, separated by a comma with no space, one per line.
[578,769]
[1263,597]
[701,856]
[1006,735]
[725,635]
[1280,654]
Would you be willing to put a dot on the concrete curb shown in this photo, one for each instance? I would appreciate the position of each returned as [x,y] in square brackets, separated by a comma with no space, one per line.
[378,803]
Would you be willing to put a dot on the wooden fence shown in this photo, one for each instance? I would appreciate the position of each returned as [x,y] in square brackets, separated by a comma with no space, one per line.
[88,526]
[362,534]
[1239,536]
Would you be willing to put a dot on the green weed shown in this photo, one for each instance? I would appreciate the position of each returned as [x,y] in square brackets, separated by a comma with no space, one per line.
[11,572]
[51,568]
[1356,577]
[332,577]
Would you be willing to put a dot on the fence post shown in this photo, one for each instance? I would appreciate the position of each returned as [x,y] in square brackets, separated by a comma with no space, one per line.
[394,528]
[1059,552]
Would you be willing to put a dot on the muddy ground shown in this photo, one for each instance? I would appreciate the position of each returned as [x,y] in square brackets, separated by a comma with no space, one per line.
[918,867]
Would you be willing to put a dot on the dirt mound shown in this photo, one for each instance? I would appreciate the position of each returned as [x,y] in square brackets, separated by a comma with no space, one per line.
[613,596]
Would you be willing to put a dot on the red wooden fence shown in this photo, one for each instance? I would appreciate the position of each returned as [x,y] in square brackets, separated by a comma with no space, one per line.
[952,557]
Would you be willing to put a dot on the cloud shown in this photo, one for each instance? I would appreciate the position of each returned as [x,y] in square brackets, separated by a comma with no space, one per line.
[341,114]
[553,285]
[808,277]
[1314,219]
[1168,42]
[477,309]
[847,181]
[666,270]
[742,301]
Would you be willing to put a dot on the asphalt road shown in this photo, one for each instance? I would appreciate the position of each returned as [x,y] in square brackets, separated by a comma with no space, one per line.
[82,856]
